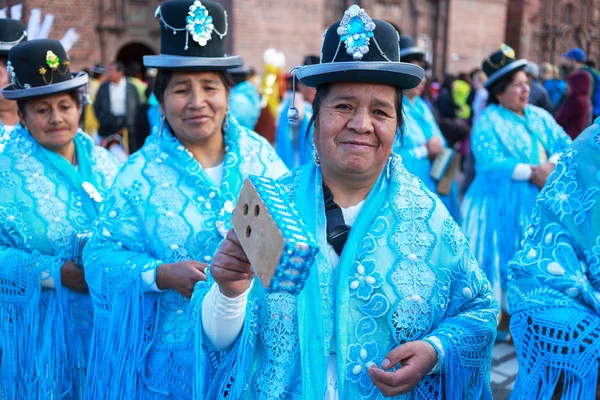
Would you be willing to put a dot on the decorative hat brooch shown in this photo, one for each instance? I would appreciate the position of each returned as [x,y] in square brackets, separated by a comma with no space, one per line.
[199,24]
[356,30]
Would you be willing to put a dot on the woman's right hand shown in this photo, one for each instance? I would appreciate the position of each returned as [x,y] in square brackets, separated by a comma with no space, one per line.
[181,276]
[540,174]
[72,277]
[231,268]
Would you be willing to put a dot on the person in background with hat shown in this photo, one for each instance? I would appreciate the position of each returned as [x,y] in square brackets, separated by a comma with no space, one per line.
[244,99]
[538,95]
[168,211]
[577,62]
[421,140]
[394,282]
[515,146]
[12,32]
[292,133]
[52,184]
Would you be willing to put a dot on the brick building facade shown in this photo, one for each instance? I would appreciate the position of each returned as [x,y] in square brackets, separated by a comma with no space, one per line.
[457,34]
[544,29]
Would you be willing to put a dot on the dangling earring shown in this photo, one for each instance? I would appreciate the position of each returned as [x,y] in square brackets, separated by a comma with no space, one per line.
[226,121]
[316,155]
[162,124]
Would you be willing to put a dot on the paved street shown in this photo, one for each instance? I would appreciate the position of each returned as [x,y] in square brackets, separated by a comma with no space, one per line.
[504,370]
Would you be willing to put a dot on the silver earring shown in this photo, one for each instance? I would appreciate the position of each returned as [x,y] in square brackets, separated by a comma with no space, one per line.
[162,124]
[316,155]
[226,124]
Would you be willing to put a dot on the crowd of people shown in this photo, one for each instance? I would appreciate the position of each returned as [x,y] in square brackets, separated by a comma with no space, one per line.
[449,215]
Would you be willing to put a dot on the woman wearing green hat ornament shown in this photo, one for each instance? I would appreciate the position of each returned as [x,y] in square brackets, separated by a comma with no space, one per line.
[168,211]
[52,184]
[395,302]
[515,146]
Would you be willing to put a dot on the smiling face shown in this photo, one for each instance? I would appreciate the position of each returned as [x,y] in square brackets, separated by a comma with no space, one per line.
[516,95]
[354,131]
[195,105]
[52,121]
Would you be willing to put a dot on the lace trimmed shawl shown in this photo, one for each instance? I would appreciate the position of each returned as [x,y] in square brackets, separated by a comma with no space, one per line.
[163,208]
[406,273]
[44,333]
[554,281]
[419,127]
[497,209]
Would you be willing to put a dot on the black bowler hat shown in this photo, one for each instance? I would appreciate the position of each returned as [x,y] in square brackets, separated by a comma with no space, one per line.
[408,50]
[192,37]
[240,70]
[361,49]
[501,63]
[12,32]
[40,68]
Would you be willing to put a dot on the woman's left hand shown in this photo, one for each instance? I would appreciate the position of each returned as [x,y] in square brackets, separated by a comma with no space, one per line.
[434,147]
[417,359]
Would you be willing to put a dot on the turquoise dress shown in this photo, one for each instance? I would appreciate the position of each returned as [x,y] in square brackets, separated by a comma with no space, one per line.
[244,104]
[497,208]
[44,203]
[293,143]
[554,281]
[163,208]
[406,273]
[419,127]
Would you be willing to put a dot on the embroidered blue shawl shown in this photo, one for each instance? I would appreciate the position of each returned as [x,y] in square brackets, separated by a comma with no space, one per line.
[406,273]
[496,209]
[554,281]
[294,151]
[163,208]
[244,104]
[418,128]
[44,333]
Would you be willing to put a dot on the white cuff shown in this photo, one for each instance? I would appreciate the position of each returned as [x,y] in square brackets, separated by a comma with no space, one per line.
[554,158]
[441,355]
[223,317]
[149,278]
[522,172]
[48,280]
[421,152]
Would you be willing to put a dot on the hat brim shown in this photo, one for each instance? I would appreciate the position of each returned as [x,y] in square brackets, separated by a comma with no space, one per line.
[4,48]
[513,66]
[10,92]
[571,57]
[239,71]
[412,51]
[403,75]
[180,63]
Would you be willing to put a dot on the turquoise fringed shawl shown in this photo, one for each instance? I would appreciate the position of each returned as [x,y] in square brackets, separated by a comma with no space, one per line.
[44,333]
[416,279]
[554,281]
[496,209]
[294,151]
[418,128]
[163,208]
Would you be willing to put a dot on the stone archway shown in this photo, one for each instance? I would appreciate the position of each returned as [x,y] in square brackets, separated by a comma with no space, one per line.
[134,52]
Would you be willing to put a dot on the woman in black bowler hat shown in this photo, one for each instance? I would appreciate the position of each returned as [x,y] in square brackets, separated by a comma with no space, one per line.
[52,184]
[170,208]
